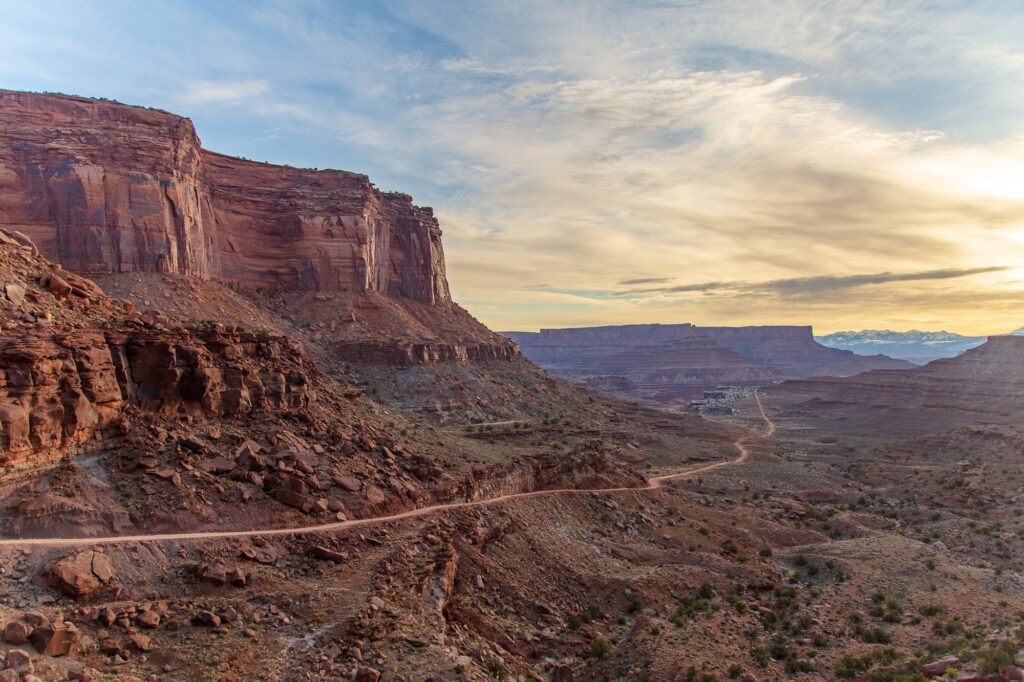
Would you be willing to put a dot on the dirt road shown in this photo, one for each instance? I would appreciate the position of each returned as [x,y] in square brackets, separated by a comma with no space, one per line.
[652,484]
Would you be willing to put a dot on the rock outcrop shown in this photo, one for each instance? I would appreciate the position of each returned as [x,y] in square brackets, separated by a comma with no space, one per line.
[59,390]
[74,363]
[102,187]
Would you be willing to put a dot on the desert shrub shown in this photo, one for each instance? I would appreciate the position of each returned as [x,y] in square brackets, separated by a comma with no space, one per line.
[600,648]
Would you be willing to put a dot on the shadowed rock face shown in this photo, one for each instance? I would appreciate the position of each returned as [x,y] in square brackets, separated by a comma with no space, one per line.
[59,390]
[103,187]
[793,351]
[73,362]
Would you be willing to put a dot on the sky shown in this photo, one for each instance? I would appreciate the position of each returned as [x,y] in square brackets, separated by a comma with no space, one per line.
[849,164]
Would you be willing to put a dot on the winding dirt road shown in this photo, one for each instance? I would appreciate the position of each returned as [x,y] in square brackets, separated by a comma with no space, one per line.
[652,484]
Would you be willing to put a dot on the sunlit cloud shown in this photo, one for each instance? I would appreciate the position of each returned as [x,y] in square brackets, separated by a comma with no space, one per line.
[851,163]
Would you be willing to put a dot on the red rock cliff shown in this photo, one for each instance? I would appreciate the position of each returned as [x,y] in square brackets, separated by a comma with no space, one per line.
[103,187]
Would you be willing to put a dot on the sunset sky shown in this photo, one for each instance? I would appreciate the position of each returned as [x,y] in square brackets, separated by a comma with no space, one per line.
[850,164]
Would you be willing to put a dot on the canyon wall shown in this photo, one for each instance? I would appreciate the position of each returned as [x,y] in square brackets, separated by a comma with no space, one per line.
[793,351]
[102,187]
[675,363]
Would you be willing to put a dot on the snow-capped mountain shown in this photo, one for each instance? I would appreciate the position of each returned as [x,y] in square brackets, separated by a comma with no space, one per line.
[916,346]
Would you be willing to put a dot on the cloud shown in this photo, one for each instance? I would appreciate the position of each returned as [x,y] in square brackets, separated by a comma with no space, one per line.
[809,286]
[663,161]
[646,280]
[816,286]
[203,92]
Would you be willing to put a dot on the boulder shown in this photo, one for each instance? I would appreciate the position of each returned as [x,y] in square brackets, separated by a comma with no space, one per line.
[59,287]
[24,240]
[367,675]
[215,574]
[15,293]
[216,465]
[20,661]
[328,554]
[349,483]
[237,577]
[83,574]
[16,633]
[55,640]
[374,495]
[293,492]
[102,568]
[940,666]
[148,619]
[141,642]
[106,616]
[206,619]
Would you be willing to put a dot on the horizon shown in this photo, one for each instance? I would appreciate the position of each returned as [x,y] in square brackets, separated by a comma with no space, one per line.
[664,163]
[814,331]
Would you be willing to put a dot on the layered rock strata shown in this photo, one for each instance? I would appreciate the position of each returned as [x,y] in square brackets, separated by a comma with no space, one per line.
[102,187]
[73,361]
[984,385]
[664,363]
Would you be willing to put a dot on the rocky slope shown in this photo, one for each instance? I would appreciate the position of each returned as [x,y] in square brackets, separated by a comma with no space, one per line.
[673,363]
[74,363]
[984,385]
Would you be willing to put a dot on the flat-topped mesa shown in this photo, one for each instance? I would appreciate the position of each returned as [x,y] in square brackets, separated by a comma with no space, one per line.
[673,363]
[794,352]
[104,187]
[609,333]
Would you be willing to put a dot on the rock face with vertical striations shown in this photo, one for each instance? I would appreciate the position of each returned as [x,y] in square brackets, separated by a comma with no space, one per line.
[102,187]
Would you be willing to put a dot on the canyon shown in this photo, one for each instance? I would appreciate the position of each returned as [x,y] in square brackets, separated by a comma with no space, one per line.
[245,433]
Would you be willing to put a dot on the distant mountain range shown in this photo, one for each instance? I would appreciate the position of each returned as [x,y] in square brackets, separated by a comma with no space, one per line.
[916,346]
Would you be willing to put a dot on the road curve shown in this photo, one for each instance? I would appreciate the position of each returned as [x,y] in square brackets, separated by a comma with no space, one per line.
[652,484]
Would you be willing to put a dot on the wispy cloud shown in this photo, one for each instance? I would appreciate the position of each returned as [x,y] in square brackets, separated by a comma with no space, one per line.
[646,280]
[817,286]
[728,162]
[203,92]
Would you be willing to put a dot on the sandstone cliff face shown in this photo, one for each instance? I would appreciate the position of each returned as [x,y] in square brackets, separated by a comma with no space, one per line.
[103,187]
